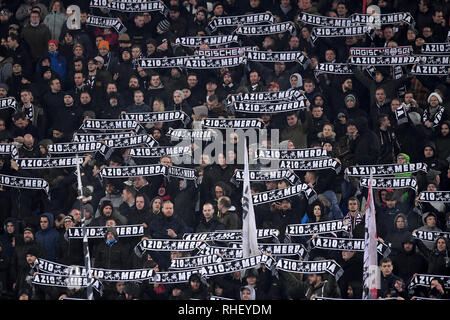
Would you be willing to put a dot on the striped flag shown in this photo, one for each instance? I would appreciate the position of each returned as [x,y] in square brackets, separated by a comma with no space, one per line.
[249,234]
[371,272]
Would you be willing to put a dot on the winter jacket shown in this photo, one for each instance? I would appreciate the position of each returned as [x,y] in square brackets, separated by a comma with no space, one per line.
[55,21]
[37,39]
[158,229]
[231,219]
[5,70]
[49,238]
[115,256]
[209,226]
[406,263]
[438,261]
[58,64]
[299,132]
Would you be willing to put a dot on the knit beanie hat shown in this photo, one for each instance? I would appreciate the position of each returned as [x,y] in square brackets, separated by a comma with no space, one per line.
[104,44]
[164,25]
[435,94]
[54,42]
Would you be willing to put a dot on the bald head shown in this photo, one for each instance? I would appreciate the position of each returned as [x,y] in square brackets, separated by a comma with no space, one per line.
[28,140]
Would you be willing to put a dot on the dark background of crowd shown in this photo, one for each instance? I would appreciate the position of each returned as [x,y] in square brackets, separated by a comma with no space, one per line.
[61,77]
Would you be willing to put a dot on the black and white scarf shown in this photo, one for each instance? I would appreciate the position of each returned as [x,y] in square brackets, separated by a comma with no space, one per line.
[166,62]
[224,52]
[78,147]
[266,175]
[318,32]
[383,60]
[388,18]
[269,107]
[47,163]
[191,134]
[442,48]
[234,21]
[424,280]
[276,56]
[237,265]
[158,152]
[317,164]
[385,169]
[294,154]
[390,183]
[431,236]
[165,245]
[152,117]
[212,41]
[259,97]
[24,183]
[132,141]
[130,5]
[92,137]
[435,60]
[106,22]
[124,231]
[310,267]
[334,68]
[197,62]
[111,125]
[229,235]
[436,117]
[430,70]
[9,102]
[194,262]
[401,115]
[307,229]
[134,171]
[347,244]
[284,193]
[431,196]
[324,21]
[10,150]
[224,252]
[244,123]
[380,51]
[258,30]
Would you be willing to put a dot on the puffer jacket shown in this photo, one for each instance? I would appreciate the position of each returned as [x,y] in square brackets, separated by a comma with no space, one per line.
[49,238]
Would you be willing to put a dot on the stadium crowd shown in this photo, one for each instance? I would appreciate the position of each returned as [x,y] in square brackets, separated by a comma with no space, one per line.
[60,77]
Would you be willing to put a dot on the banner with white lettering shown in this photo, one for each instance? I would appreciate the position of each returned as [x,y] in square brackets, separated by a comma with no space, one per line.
[324,21]
[308,229]
[48,163]
[172,277]
[387,18]
[334,68]
[442,48]
[383,60]
[347,244]
[223,52]
[229,235]
[106,22]
[158,152]
[123,231]
[92,137]
[78,147]
[284,193]
[385,169]
[10,150]
[211,41]
[424,280]
[430,70]
[260,97]
[246,107]
[165,62]
[400,115]
[390,183]
[132,141]
[381,51]
[276,56]
[152,117]
[234,21]
[266,175]
[431,196]
[192,134]
[24,183]
[194,262]
[226,253]
[258,30]
[307,165]
[8,102]
[244,123]
[310,267]
[237,265]
[165,245]
[134,171]
[111,125]
[293,154]
[434,60]
[130,5]
[318,32]
[197,62]
[431,236]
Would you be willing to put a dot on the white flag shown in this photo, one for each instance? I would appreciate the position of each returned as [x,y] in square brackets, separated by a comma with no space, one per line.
[249,234]
[371,271]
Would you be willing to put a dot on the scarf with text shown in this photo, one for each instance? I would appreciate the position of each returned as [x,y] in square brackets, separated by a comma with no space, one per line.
[390,183]
[132,141]
[47,163]
[234,21]
[24,183]
[244,123]
[294,154]
[8,102]
[92,137]
[78,147]
[346,244]
[245,107]
[111,125]
[158,152]
[106,22]
[211,41]
[194,262]
[400,115]
[10,150]
[130,5]
[315,228]
[324,21]
[276,56]
[229,235]
[383,60]
[284,193]
[385,169]
[430,70]
[319,164]
[266,175]
[259,97]
[424,280]
[224,52]
[334,68]
[310,267]
[258,30]
[124,231]
[191,134]
[318,32]
[165,245]
[431,236]
[436,48]
[381,51]
[431,196]
[152,117]
[237,265]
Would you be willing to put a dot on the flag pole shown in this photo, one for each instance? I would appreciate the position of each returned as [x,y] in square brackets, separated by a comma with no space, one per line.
[87,260]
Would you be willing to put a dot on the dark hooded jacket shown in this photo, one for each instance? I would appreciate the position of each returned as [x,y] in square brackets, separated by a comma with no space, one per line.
[398,236]
[438,261]
[112,254]
[49,238]
[365,147]
[407,263]
[7,238]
